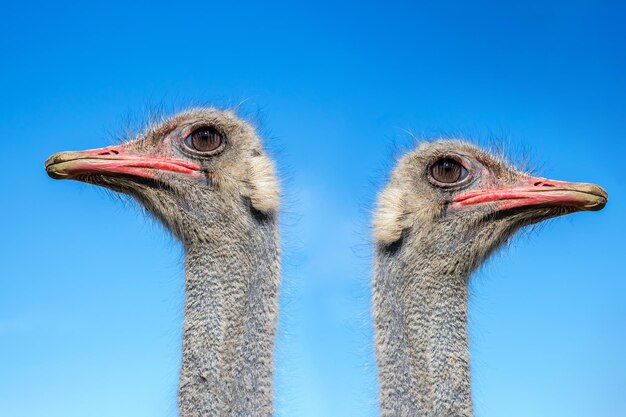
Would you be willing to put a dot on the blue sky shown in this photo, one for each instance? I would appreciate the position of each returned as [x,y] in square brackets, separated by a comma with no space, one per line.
[91,290]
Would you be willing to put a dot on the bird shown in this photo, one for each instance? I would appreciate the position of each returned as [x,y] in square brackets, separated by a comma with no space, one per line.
[447,206]
[203,173]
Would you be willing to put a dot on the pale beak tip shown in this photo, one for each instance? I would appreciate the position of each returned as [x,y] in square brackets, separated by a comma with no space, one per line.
[601,197]
[52,166]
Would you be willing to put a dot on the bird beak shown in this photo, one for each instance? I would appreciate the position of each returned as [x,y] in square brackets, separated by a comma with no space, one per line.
[118,160]
[538,192]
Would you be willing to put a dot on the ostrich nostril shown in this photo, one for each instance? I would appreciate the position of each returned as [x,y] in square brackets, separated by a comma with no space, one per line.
[106,152]
[543,184]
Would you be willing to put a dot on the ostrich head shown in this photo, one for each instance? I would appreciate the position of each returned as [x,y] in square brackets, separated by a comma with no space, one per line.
[459,202]
[196,172]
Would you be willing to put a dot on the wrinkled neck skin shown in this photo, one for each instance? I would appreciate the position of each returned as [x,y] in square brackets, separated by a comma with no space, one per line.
[231,306]
[420,320]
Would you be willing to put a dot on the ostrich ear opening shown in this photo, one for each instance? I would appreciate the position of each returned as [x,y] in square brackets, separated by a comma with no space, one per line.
[390,217]
[264,191]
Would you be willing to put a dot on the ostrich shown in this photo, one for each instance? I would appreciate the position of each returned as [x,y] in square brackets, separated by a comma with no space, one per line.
[204,175]
[447,207]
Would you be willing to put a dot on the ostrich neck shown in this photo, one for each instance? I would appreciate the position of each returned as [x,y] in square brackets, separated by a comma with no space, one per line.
[230,320]
[420,320]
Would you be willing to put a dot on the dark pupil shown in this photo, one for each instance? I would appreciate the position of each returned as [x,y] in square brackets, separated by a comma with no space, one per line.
[446,171]
[206,140]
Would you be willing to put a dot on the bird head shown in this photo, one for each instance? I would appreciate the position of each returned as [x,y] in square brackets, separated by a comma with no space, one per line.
[457,195]
[194,170]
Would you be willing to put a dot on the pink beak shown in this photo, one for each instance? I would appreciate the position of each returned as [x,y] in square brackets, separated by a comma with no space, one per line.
[538,192]
[113,160]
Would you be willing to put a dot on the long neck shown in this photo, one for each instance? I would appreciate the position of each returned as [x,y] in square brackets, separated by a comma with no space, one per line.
[420,321]
[231,311]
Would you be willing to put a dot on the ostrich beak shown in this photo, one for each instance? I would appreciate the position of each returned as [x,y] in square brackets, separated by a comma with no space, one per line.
[538,192]
[118,160]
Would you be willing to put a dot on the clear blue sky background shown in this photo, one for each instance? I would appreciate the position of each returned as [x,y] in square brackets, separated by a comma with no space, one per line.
[91,291]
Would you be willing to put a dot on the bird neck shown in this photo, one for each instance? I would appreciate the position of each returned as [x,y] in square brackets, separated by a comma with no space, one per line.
[420,320]
[231,308]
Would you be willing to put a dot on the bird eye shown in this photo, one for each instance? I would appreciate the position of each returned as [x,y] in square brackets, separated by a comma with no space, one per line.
[206,139]
[448,171]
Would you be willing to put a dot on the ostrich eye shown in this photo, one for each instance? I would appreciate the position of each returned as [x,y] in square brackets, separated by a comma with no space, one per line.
[448,171]
[206,139]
